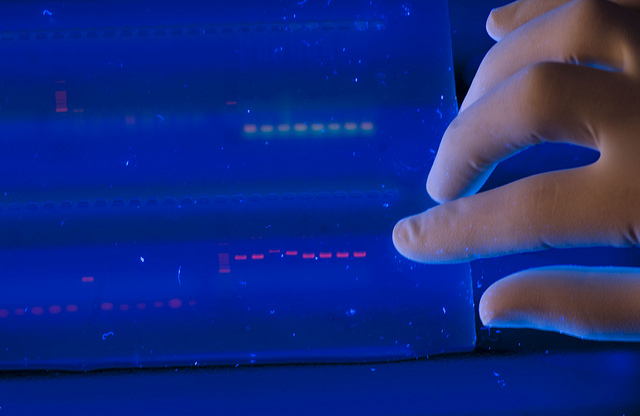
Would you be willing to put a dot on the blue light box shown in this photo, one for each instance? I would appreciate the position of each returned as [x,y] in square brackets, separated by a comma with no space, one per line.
[198,183]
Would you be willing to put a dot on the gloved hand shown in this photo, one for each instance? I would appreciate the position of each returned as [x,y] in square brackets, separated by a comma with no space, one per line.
[560,72]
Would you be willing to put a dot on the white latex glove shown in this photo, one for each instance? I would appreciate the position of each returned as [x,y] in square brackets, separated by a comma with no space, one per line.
[560,72]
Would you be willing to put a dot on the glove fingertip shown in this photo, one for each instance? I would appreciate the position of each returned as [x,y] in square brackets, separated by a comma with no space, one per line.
[495,30]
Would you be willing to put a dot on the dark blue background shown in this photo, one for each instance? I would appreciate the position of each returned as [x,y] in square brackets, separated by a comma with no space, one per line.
[511,371]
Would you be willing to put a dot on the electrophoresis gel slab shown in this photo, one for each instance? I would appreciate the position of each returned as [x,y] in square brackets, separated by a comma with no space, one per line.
[199,183]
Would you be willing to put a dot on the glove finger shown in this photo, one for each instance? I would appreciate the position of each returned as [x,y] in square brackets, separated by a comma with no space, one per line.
[569,208]
[506,19]
[545,102]
[590,303]
[592,33]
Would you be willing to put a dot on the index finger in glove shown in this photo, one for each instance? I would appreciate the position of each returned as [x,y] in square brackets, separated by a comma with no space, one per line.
[506,19]
[569,208]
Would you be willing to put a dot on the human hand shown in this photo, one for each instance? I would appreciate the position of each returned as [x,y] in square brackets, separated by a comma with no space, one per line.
[560,72]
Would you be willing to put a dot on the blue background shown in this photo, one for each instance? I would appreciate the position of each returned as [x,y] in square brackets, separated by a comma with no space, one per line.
[511,371]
